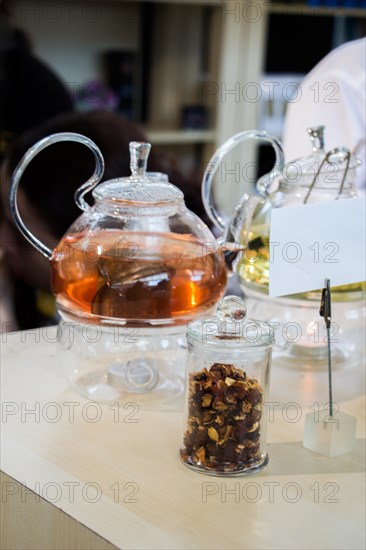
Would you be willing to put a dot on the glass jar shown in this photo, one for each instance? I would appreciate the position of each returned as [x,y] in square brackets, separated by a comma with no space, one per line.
[228,369]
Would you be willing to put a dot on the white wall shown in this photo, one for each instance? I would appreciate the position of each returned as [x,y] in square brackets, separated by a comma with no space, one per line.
[69,35]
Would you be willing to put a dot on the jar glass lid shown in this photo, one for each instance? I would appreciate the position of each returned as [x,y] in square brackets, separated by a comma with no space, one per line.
[231,326]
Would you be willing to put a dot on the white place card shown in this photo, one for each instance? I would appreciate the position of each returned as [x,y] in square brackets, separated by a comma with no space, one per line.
[311,242]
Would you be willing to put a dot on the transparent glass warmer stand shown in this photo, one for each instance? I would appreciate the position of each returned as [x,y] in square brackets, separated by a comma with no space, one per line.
[300,332]
[118,364]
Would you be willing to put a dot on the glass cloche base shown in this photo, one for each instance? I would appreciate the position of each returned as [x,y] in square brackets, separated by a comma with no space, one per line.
[126,365]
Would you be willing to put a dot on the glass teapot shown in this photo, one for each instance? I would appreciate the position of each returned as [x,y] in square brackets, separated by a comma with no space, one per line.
[128,276]
[136,257]
[318,177]
[322,176]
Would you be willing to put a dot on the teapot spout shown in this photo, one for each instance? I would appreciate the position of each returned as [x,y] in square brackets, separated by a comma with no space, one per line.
[232,253]
[236,235]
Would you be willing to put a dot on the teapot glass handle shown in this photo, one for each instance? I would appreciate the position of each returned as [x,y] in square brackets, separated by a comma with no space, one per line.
[79,194]
[217,158]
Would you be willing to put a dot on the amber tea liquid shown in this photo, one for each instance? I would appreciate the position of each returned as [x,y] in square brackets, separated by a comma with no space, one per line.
[138,276]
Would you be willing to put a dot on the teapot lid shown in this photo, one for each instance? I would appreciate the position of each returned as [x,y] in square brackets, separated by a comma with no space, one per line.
[140,187]
[231,327]
[312,162]
[310,165]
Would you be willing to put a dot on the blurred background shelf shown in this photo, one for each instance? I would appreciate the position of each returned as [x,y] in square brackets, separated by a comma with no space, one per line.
[178,137]
[285,8]
[184,54]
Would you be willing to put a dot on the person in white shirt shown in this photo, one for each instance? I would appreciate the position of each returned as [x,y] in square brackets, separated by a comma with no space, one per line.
[333,95]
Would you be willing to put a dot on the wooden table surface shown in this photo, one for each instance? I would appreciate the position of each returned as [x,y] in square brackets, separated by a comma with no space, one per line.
[104,477]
